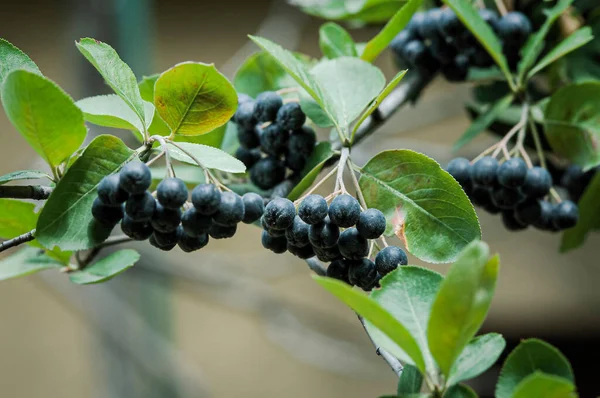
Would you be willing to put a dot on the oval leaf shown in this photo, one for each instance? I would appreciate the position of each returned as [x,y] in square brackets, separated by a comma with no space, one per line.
[26,261]
[106,268]
[461,304]
[210,157]
[11,58]
[44,115]
[410,380]
[23,175]
[423,204]
[335,41]
[111,111]
[260,72]
[541,385]
[66,220]
[531,356]
[16,218]
[477,357]
[314,165]
[194,98]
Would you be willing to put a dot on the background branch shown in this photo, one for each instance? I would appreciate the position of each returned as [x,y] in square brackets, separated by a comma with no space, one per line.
[37,192]
[26,237]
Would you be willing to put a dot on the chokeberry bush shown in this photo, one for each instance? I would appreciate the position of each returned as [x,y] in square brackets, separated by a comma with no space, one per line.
[255,143]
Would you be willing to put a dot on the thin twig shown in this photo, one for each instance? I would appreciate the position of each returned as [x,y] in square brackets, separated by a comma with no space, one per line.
[359,193]
[555,195]
[339,181]
[154,159]
[36,192]
[26,237]
[501,7]
[318,184]
[538,143]
[392,361]
[165,149]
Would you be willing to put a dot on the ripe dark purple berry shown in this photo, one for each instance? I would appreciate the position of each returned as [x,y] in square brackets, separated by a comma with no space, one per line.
[254,206]
[140,207]
[460,169]
[275,244]
[279,213]
[514,27]
[135,178]
[363,273]
[484,171]
[290,116]
[510,221]
[538,182]
[565,215]
[371,224]
[328,254]
[109,191]
[339,269]
[164,219]
[390,258]
[248,138]
[297,233]
[267,173]
[222,231]
[324,234]
[506,198]
[206,199]
[189,243]
[137,230]
[105,214]
[244,116]
[172,193]
[230,211]
[248,156]
[512,173]
[274,140]
[344,211]
[352,245]
[313,209]
[166,239]
[194,223]
[302,252]
[267,105]
[457,70]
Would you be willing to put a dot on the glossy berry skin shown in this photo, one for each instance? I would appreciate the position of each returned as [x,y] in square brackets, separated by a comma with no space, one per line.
[221,231]
[189,243]
[538,182]
[344,211]
[109,191]
[166,239]
[290,116]
[328,254]
[389,258]
[137,230]
[274,140]
[152,240]
[244,98]
[267,106]
[105,214]
[244,116]
[352,245]
[544,222]
[371,224]
[194,223]
[565,215]
[248,138]
[415,53]
[275,244]
[460,169]
[140,207]
[164,219]
[297,233]
[302,141]
[254,207]
[458,70]
[506,198]
[267,173]
[313,209]
[529,212]
[302,252]
[512,173]
[279,214]
[484,171]
[206,199]
[514,28]
[248,156]
[231,210]
[416,23]
[135,178]
[362,273]
[339,270]
[324,235]
[511,223]
[172,193]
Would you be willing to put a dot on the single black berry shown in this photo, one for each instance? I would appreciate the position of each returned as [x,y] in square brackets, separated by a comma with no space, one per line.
[302,141]
[344,211]
[267,105]
[297,233]
[166,239]
[490,16]
[324,234]
[254,206]
[565,215]
[460,169]
[290,116]
[512,173]
[248,156]
[363,273]
[506,198]
[450,24]
[248,138]
[279,213]
[429,26]
[481,196]
[222,231]
[137,230]
[172,193]
[416,22]
[109,191]
[243,98]
[529,212]
[105,214]
[538,182]
[244,116]
[457,70]
[389,258]
[283,189]
[164,219]
[231,209]
[302,252]
[484,171]
[313,209]
[206,199]
[274,140]
[267,172]
[194,223]
[277,244]
[397,45]
[189,243]
[514,27]
[135,178]
[327,254]
[544,222]
[140,207]
[371,224]
[295,161]
[339,270]
[510,221]
[352,245]
[416,54]
[154,242]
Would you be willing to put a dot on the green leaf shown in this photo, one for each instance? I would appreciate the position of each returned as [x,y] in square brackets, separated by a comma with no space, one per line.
[541,385]
[157,126]
[382,95]
[359,12]
[213,138]
[16,218]
[470,17]
[111,111]
[11,58]
[117,74]
[531,356]
[146,86]
[575,40]
[477,357]
[194,98]
[335,41]
[461,304]
[484,121]
[410,380]
[424,205]
[460,391]
[398,22]
[210,157]
[589,217]
[408,294]
[572,123]
[260,72]
[534,46]
[106,268]
[321,154]
[66,220]
[379,317]
[23,175]
[44,115]
[26,261]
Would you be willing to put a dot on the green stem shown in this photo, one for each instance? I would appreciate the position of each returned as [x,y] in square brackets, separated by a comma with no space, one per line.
[538,142]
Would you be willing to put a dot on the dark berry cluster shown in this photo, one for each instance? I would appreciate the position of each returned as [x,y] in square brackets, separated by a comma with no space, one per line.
[337,234]
[515,191]
[436,40]
[124,197]
[274,142]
